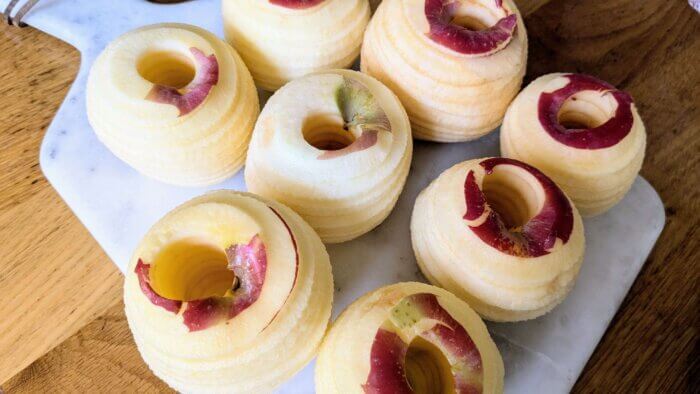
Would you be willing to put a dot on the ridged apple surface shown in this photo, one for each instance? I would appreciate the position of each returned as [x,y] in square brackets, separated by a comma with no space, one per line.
[228,293]
[334,146]
[281,40]
[409,338]
[582,132]
[455,64]
[501,235]
[174,102]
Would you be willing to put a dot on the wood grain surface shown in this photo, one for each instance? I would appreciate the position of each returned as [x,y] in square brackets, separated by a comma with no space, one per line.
[55,279]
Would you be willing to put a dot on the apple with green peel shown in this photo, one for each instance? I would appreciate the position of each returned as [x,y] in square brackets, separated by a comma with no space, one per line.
[231,281]
[421,316]
[409,338]
[336,147]
[361,113]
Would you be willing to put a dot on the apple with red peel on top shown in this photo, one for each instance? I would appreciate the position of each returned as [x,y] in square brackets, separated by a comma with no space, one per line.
[409,338]
[446,30]
[223,283]
[334,146]
[501,235]
[455,64]
[174,102]
[582,132]
[281,40]
[534,238]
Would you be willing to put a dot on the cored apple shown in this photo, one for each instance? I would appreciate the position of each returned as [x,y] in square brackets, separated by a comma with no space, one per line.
[536,237]
[409,338]
[334,146]
[174,102]
[281,40]
[582,132]
[222,284]
[499,234]
[455,64]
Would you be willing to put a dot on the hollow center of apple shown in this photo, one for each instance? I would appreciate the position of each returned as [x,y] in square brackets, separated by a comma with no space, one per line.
[166,68]
[586,110]
[512,194]
[328,132]
[427,369]
[473,16]
[191,269]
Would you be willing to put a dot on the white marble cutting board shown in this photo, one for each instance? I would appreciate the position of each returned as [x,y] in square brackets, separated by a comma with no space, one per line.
[118,205]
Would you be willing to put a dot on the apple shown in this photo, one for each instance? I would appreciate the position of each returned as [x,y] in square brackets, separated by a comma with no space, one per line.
[194,93]
[408,338]
[443,30]
[421,315]
[501,235]
[555,219]
[221,286]
[603,136]
[583,133]
[174,102]
[282,40]
[336,147]
[454,64]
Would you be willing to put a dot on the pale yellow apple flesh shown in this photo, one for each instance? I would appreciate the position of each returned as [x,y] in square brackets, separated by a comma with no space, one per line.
[334,146]
[449,96]
[507,242]
[174,102]
[279,44]
[204,327]
[408,337]
[595,179]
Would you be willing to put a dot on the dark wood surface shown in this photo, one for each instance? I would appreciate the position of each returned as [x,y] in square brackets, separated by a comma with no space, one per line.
[650,48]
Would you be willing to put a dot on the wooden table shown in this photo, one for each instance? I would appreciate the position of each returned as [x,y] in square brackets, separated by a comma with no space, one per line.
[62,293]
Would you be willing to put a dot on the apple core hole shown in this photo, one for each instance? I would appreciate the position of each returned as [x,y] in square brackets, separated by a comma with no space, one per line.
[474,16]
[166,68]
[191,269]
[327,132]
[512,192]
[470,22]
[427,369]
[586,110]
